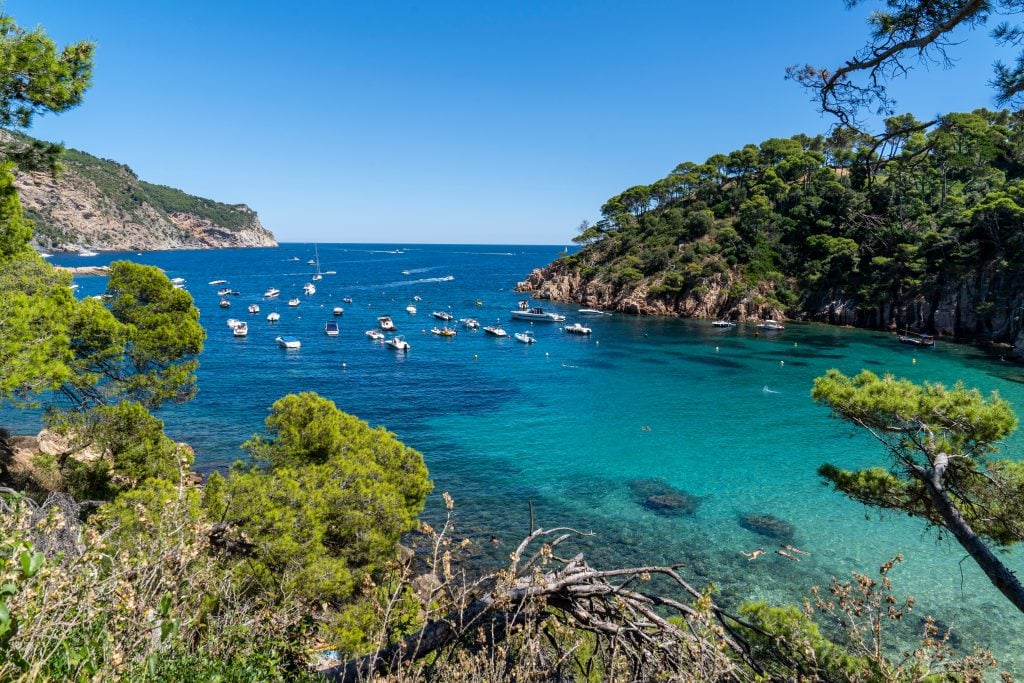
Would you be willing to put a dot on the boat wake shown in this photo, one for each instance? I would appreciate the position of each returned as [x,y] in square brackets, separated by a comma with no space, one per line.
[770,391]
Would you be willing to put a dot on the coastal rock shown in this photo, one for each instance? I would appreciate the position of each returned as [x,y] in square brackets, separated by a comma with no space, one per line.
[662,498]
[768,525]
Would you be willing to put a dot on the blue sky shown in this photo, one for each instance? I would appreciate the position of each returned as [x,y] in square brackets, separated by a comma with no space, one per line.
[467,121]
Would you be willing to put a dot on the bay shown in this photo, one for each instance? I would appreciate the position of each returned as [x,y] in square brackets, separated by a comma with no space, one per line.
[577,425]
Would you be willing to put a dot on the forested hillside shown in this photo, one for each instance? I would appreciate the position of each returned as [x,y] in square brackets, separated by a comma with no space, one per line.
[922,229]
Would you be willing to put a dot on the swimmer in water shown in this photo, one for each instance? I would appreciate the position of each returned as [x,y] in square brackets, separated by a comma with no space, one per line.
[787,555]
[795,550]
[752,555]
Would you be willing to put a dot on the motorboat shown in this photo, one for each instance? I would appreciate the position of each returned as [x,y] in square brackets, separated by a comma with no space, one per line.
[375,335]
[577,328]
[309,288]
[410,309]
[479,302]
[398,343]
[386,323]
[926,341]
[723,323]
[496,331]
[347,300]
[224,303]
[178,280]
[224,292]
[233,322]
[217,282]
[331,328]
[338,310]
[771,326]
[470,323]
[537,314]
[241,329]
[311,262]
[443,332]
[293,302]
[592,311]
[45,255]
[417,298]
[273,317]
[87,253]
[254,308]
[271,293]
[525,337]
[330,272]
[288,342]
[405,272]
[442,315]
[317,277]
[294,258]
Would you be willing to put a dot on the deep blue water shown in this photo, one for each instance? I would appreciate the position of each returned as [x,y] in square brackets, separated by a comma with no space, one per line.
[569,422]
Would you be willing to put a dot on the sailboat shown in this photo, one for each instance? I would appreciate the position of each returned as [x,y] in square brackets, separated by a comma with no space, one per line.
[317,275]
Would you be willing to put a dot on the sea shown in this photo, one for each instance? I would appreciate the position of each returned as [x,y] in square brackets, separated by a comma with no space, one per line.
[583,429]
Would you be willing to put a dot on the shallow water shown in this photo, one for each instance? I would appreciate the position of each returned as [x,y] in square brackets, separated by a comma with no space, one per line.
[569,421]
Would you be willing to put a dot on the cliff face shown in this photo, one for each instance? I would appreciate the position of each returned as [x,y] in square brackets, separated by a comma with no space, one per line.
[99,204]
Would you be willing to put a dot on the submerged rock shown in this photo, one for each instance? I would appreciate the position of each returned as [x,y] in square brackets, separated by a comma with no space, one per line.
[661,497]
[768,525]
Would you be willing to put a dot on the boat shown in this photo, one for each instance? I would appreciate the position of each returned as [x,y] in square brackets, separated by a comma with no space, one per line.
[330,272]
[338,310]
[470,323]
[254,308]
[45,255]
[386,323]
[417,298]
[310,262]
[271,293]
[233,322]
[405,272]
[410,309]
[592,311]
[178,280]
[926,341]
[479,302]
[273,317]
[536,314]
[442,315]
[217,282]
[294,258]
[444,332]
[374,334]
[723,323]
[87,253]
[398,343]
[347,300]
[288,342]
[771,326]
[496,331]
[241,329]
[224,292]
[331,328]
[577,328]
[224,303]
[293,302]
[309,288]
[317,275]
[525,337]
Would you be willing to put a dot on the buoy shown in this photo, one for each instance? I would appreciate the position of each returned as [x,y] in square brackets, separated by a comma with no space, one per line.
[598,343]
[344,366]
[546,354]
[716,349]
[794,345]
[782,362]
[476,357]
[913,361]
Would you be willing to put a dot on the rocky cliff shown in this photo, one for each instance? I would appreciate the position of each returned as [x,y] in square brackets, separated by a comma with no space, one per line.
[99,204]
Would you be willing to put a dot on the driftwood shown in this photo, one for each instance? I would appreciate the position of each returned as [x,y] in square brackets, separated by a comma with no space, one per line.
[634,625]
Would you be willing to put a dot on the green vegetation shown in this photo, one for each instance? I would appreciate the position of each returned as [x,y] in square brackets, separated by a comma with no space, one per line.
[790,225]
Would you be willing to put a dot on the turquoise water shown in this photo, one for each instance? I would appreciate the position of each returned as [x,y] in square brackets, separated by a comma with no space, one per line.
[569,422]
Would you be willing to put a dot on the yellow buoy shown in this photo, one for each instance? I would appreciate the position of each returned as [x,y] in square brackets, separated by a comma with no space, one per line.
[913,361]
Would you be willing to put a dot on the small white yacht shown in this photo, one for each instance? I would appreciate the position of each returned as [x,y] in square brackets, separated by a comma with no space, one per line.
[87,253]
[309,288]
[410,309]
[386,323]
[470,323]
[525,337]
[592,311]
[374,335]
[232,322]
[224,303]
[293,302]
[442,315]
[331,328]
[496,331]
[398,343]
[347,300]
[224,291]
[217,282]
[288,342]
[771,326]
[254,308]
[338,310]
[178,280]
[273,317]
[271,293]
[723,323]
[536,314]
[577,328]
[241,329]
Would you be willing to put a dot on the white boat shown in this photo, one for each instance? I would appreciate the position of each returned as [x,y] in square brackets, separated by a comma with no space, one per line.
[410,309]
[331,328]
[288,342]
[417,298]
[386,323]
[309,288]
[470,323]
[444,332]
[310,262]
[294,258]
[232,323]
[525,337]
[87,253]
[338,310]
[347,300]
[273,317]
[45,255]
[293,302]
[374,334]
[496,331]
[224,292]
[330,272]
[771,326]
[224,303]
[405,272]
[254,308]
[577,328]
[178,280]
[241,329]
[442,315]
[217,282]
[398,343]
[271,293]
[592,311]
[723,323]
[317,275]
[536,314]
